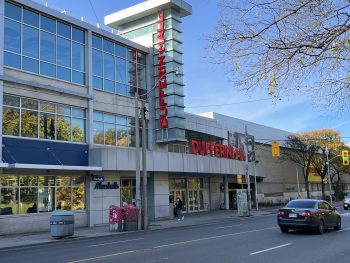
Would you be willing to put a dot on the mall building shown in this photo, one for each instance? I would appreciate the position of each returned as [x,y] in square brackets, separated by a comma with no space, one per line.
[68,92]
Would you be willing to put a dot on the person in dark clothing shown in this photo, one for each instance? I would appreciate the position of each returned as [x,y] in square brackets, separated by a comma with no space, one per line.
[178,207]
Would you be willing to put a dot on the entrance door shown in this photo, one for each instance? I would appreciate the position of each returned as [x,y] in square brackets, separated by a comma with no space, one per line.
[195,200]
[174,194]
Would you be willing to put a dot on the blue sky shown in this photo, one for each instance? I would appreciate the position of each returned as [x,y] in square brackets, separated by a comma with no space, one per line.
[207,84]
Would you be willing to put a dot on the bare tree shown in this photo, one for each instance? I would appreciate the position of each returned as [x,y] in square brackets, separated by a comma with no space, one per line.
[301,153]
[286,46]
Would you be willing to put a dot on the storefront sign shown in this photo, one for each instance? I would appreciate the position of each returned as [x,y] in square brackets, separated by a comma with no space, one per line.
[98,178]
[101,186]
[217,150]
[162,83]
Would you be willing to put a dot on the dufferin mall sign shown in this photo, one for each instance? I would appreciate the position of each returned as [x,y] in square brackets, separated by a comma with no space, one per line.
[217,150]
[162,83]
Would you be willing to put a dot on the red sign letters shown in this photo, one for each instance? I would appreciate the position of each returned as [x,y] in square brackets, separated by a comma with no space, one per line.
[217,150]
[162,83]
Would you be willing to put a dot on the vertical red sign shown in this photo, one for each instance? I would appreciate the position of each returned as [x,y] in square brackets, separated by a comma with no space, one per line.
[162,83]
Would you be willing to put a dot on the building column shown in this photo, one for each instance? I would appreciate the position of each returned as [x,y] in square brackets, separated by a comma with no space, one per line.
[2,29]
[209,192]
[226,196]
[89,124]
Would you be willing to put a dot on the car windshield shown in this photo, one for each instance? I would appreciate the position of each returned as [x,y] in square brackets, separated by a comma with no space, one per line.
[301,204]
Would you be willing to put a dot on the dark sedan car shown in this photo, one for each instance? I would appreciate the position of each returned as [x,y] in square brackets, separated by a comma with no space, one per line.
[309,214]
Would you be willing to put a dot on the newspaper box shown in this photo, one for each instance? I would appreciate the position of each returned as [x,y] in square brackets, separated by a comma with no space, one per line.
[115,218]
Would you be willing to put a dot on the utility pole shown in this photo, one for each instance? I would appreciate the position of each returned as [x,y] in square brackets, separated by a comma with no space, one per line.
[137,159]
[144,168]
[329,177]
[247,168]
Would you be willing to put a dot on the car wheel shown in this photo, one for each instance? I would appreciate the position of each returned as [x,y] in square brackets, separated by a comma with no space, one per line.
[338,225]
[320,229]
[284,229]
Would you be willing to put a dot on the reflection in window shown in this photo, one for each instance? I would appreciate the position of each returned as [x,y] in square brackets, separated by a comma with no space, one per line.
[114,130]
[39,44]
[33,194]
[56,122]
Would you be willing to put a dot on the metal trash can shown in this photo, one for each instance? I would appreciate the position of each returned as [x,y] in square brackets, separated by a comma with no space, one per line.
[62,223]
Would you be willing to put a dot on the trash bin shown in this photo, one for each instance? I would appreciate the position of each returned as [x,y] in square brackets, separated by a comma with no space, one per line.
[62,223]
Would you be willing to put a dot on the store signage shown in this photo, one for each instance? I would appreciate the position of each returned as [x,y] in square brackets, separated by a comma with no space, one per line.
[217,150]
[162,83]
[98,178]
[101,186]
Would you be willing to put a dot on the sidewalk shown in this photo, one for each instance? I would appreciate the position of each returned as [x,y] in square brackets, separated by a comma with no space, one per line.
[193,219]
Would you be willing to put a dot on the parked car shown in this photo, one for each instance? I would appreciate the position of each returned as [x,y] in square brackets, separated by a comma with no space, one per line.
[347,201]
[308,214]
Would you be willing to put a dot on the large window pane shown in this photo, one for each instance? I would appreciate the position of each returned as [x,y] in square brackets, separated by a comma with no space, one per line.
[29,124]
[78,59]
[63,198]
[48,24]
[120,51]
[47,126]
[108,46]
[63,30]
[78,130]
[63,110]
[78,35]
[121,70]
[12,36]
[47,47]
[78,112]
[110,134]
[48,69]
[9,181]
[28,180]
[30,18]
[63,52]
[31,65]
[78,198]
[30,42]
[121,89]
[10,122]
[96,42]
[97,82]
[97,63]
[9,201]
[141,70]
[108,85]
[122,136]
[13,11]
[131,74]
[30,104]
[131,54]
[63,128]
[12,60]
[63,180]
[11,100]
[46,181]
[28,202]
[98,132]
[63,73]
[46,199]
[108,63]
[47,107]
[78,77]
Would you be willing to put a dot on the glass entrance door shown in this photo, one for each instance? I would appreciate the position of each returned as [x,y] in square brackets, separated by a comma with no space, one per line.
[195,200]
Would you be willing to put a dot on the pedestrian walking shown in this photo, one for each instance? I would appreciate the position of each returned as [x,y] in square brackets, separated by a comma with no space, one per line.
[178,207]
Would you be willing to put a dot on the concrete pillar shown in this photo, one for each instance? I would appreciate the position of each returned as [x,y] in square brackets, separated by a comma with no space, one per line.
[2,23]
[226,196]
[89,124]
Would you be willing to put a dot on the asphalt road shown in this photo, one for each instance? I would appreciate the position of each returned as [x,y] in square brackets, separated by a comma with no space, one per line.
[255,239]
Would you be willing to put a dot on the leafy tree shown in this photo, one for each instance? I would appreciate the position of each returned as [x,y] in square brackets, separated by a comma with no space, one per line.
[286,46]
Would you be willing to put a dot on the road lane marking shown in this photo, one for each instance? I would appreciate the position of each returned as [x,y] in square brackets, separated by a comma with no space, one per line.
[116,242]
[222,227]
[268,249]
[213,237]
[105,256]
[345,229]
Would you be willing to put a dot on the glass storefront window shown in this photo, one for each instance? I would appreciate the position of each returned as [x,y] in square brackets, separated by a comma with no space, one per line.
[128,191]
[10,123]
[12,36]
[32,194]
[29,124]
